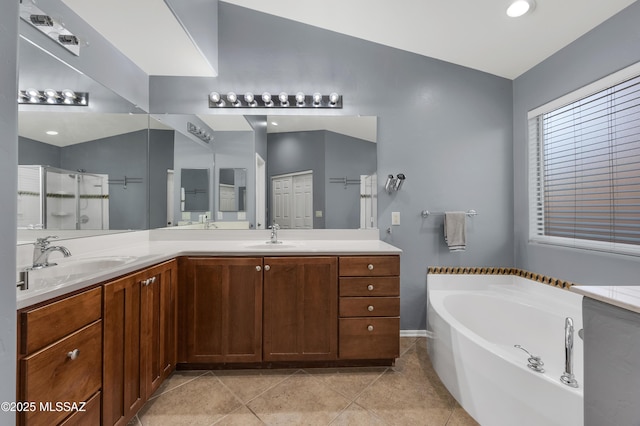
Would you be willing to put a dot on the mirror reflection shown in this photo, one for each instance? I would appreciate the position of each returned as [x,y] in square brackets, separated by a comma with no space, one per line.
[232,190]
[194,192]
[110,166]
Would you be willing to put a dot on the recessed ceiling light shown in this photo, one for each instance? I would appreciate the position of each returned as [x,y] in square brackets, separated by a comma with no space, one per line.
[52,132]
[520,7]
[274,123]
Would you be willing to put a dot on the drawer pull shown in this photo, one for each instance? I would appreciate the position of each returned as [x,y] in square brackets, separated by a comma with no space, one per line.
[370,287]
[267,267]
[73,354]
[370,327]
[370,267]
[370,308]
[258,268]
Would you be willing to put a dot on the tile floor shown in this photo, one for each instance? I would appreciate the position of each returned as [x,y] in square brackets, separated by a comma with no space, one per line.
[409,393]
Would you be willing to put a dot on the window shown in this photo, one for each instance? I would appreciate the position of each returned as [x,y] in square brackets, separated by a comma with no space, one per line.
[584,167]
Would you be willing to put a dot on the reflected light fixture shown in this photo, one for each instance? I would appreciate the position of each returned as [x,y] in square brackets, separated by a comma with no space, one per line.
[53,97]
[199,133]
[266,100]
[51,27]
[519,8]
[51,132]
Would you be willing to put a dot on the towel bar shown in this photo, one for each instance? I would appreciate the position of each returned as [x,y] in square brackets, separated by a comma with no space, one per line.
[427,213]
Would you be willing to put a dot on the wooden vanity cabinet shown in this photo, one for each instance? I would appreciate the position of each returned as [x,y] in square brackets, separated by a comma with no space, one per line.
[369,325]
[221,310]
[139,339]
[60,348]
[300,308]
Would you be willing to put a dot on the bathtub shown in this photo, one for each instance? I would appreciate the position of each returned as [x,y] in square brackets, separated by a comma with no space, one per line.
[473,323]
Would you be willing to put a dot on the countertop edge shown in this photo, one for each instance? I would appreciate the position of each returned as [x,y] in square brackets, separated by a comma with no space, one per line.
[157,252]
[625,297]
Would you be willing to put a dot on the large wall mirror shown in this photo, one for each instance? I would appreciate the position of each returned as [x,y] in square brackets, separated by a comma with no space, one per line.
[111,167]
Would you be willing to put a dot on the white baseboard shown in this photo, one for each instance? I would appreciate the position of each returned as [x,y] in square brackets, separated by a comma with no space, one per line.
[413,333]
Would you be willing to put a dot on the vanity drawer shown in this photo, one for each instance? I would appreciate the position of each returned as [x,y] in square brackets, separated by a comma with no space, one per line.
[90,416]
[369,306]
[52,375]
[370,286]
[363,266]
[42,326]
[369,338]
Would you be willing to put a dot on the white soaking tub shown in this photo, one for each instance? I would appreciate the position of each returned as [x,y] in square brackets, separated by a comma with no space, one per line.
[475,320]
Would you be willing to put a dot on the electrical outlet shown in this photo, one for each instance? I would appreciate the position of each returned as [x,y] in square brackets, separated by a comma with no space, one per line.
[395,218]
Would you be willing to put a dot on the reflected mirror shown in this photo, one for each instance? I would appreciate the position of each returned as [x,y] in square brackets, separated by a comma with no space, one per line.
[194,192]
[232,190]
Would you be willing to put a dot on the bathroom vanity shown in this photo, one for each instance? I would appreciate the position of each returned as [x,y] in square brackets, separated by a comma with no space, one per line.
[203,304]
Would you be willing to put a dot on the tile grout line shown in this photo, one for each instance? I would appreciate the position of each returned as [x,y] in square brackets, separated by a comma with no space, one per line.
[177,386]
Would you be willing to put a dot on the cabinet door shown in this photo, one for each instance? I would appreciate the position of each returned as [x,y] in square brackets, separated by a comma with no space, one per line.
[123,390]
[223,310]
[159,324]
[300,308]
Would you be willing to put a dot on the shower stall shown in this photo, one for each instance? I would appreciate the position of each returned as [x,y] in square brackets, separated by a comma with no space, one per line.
[52,198]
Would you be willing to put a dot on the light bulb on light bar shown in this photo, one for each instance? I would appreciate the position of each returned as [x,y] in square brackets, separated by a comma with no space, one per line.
[266,98]
[300,99]
[250,99]
[520,7]
[317,99]
[233,99]
[333,98]
[284,99]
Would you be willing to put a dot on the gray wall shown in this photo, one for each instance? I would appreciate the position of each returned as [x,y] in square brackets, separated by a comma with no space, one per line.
[447,127]
[604,50]
[345,157]
[118,156]
[32,152]
[8,207]
[160,160]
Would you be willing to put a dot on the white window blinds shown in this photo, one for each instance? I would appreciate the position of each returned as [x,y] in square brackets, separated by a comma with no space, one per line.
[584,165]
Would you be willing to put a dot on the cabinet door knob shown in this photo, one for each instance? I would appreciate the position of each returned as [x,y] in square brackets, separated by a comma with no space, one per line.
[267,267]
[145,282]
[258,268]
[370,308]
[370,328]
[73,354]
[153,280]
[370,287]
[370,267]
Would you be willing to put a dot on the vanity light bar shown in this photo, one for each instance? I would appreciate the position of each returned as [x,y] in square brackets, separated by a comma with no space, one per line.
[64,97]
[282,100]
[199,133]
[49,26]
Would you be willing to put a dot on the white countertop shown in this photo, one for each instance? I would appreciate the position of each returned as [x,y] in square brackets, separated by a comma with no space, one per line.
[626,297]
[154,248]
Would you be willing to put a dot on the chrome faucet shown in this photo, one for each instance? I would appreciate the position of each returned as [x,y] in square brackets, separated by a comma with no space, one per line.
[568,377]
[274,233]
[41,251]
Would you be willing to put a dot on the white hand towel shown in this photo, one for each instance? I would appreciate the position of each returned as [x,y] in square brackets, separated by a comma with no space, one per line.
[455,230]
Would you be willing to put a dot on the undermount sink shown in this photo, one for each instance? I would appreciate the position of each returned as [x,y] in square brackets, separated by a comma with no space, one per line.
[71,269]
[271,246]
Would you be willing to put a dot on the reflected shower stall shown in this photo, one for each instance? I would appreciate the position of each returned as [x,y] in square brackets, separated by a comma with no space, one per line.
[52,198]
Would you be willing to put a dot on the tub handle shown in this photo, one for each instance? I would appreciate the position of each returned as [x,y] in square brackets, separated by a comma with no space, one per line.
[534,362]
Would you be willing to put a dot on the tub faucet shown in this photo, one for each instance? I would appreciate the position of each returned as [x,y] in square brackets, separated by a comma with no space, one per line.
[534,362]
[42,250]
[568,377]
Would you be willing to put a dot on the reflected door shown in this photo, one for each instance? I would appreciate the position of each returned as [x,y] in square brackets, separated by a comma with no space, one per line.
[292,200]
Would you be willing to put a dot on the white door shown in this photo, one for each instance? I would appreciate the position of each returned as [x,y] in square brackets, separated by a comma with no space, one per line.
[303,201]
[281,205]
[292,200]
